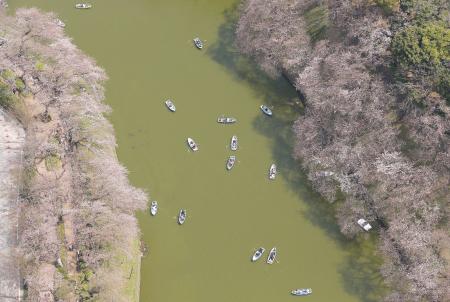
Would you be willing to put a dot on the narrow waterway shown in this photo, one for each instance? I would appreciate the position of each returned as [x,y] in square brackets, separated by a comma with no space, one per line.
[147,51]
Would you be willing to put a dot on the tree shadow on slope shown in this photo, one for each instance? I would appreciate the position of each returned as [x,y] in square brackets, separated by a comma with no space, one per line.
[360,268]
[225,53]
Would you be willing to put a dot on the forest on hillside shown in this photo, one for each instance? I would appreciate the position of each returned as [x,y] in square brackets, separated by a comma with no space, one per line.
[78,236]
[374,136]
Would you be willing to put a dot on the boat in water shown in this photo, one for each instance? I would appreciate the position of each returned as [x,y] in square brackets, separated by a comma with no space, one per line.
[226,120]
[154,208]
[259,252]
[60,23]
[182,216]
[230,162]
[192,144]
[272,172]
[198,43]
[234,143]
[272,255]
[170,105]
[301,292]
[266,110]
[83,5]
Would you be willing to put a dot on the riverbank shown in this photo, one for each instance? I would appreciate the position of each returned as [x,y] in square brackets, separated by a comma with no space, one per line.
[12,138]
[229,213]
[374,134]
[77,230]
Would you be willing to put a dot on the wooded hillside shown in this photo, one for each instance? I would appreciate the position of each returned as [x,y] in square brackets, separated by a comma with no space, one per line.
[375,133]
[78,233]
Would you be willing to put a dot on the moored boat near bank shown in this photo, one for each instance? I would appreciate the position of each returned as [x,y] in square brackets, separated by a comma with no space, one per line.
[234,143]
[154,208]
[198,43]
[272,255]
[60,23]
[364,224]
[192,144]
[230,162]
[182,216]
[83,5]
[226,120]
[301,292]
[170,105]
[258,253]
[266,110]
[272,172]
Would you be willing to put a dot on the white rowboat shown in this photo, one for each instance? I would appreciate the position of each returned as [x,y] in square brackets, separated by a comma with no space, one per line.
[230,162]
[198,43]
[83,5]
[259,252]
[272,255]
[266,110]
[60,23]
[301,292]
[154,208]
[192,144]
[234,143]
[182,216]
[272,172]
[364,224]
[170,105]
[226,120]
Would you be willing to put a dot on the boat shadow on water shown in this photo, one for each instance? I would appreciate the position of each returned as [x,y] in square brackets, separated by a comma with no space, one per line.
[360,268]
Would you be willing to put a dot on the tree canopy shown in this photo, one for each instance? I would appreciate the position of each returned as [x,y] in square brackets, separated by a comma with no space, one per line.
[429,44]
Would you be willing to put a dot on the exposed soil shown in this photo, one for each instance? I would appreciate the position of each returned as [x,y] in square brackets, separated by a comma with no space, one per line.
[12,138]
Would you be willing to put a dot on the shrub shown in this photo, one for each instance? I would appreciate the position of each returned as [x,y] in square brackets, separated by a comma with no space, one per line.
[6,96]
[422,45]
[388,6]
[20,85]
[443,85]
[422,11]
[52,162]
[317,22]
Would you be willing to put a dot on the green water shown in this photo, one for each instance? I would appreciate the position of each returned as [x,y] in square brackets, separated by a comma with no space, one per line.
[146,49]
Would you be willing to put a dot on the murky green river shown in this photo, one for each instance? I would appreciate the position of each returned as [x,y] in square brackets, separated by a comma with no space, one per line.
[146,48]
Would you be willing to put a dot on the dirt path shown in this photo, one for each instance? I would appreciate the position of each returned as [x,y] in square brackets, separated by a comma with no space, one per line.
[12,138]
